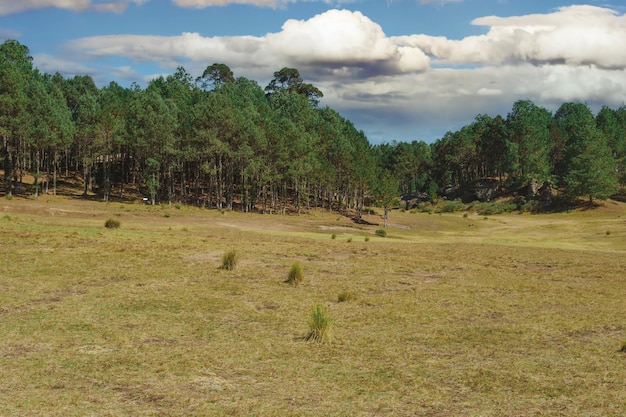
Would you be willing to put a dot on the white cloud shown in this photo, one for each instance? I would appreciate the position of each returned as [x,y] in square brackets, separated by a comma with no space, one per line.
[574,35]
[337,42]
[571,54]
[8,7]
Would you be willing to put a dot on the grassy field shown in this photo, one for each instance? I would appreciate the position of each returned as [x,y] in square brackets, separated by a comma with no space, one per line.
[508,315]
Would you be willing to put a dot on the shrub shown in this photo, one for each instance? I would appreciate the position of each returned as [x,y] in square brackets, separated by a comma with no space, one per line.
[451,206]
[296,275]
[345,296]
[229,260]
[319,325]
[531,206]
[9,196]
[367,238]
[381,232]
[349,239]
[333,236]
[465,215]
[112,224]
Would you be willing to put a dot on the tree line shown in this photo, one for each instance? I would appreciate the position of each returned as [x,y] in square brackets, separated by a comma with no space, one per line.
[222,141]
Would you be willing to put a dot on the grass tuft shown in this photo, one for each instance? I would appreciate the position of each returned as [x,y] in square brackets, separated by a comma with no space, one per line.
[319,325]
[381,232]
[333,236]
[229,260]
[345,296]
[112,224]
[296,275]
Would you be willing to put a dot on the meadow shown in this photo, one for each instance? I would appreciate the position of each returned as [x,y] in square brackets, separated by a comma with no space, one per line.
[448,315]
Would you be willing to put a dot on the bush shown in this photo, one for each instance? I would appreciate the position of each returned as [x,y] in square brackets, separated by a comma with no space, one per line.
[451,206]
[531,206]
[333,236]
[381,232]
[349,240]
[229,260]
[345,296]
[112,224]
[367,238]
[319,325]
[296,275]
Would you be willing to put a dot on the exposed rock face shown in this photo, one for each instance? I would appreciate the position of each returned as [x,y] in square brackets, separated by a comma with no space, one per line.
[547,194]
[533,187]
[486,190]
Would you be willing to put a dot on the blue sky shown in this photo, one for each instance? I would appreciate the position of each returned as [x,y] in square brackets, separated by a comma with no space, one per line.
[399,69]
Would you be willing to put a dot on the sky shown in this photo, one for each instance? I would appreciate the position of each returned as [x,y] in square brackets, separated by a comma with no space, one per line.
[400,70]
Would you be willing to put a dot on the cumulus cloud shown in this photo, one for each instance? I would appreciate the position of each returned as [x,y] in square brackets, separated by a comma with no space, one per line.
[338,42]
[115,6]
[574,35]
[571,54]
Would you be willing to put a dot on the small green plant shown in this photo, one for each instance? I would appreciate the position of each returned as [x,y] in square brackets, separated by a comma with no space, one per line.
[296,275]
[9,196]
[333,236]
[367,238]
[178,206]
[381,232]
[112,224]
[229,260]
[349,240]
[465,215]
[345,296]
[319,325]
[6,217]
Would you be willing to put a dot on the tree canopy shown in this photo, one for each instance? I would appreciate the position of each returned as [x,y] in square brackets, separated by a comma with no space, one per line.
[224,141]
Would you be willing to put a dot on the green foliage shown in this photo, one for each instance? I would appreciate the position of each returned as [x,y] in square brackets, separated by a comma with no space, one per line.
[320,325]
[381,232]
[230,260]
[531,206]
[112,224]
[450,206]
[488,209]
[235,142]
[367,238]
[296,274]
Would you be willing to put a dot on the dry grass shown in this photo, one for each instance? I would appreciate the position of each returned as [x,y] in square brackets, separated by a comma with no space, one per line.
[510,315]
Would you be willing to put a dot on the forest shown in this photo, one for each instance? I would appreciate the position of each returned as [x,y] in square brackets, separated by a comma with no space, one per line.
[221,141]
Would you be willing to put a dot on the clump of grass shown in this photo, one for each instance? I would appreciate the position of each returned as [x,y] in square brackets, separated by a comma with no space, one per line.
[381,232]
[319,325]
[9,196]
[6,217]
[178,206]
[465,215]
[367,238]
[112,224]
[345,296]
[229,260]
[333,236]
[349,240]
[623,348]
[296,275]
